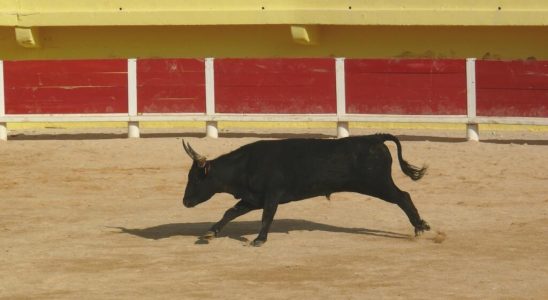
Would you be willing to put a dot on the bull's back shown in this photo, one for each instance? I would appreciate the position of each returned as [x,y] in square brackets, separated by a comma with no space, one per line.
[306,168]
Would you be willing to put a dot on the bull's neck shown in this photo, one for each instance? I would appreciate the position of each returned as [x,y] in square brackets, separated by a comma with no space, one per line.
[229,173]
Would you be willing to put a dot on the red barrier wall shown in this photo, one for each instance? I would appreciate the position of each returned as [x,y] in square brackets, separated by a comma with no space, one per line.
[64,87]
[170,85]
[512,88]
[304,86]
[410,86]
[298,86]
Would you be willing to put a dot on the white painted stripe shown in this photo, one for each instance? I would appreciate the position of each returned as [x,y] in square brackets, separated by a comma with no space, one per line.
[2,98]
[404,118]
[457,119]
[340,86]
[210,85]
[471,87]
[132,86]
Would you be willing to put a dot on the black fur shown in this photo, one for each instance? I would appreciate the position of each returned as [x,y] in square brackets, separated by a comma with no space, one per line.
[265,174]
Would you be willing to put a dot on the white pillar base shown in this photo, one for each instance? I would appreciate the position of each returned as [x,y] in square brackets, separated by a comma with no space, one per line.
[3,132]
[342,130]
[211,129]
[133,130]
[472,132]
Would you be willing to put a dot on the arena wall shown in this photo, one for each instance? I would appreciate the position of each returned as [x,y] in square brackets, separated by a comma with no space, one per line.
[62,29]
[341,90]
[402,58]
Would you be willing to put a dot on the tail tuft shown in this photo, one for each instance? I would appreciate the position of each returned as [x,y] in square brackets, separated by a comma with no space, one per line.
[413,172]
[408,169]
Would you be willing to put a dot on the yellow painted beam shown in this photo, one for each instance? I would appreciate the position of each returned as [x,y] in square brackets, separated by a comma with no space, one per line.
[8,13]
[31,13]
[489,42]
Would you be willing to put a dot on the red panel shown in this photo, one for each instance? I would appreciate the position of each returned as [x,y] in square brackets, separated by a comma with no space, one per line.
[76,86]
[275,86]
[512,88]
[413,86]
[170,85]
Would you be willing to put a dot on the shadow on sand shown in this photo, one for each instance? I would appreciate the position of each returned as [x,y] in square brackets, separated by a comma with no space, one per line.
[237,230]
[109,136]
[94,136]
[440,139]
[404,138]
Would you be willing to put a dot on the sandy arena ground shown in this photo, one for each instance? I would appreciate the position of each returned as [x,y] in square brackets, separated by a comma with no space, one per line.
[100,217]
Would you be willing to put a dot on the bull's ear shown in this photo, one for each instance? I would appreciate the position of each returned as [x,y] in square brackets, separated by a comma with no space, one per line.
[202,163]
[207,167]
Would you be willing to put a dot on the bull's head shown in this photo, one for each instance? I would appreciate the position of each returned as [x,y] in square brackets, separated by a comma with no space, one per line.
[200,186]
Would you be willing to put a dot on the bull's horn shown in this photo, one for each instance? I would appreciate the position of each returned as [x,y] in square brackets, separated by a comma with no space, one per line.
[193,154]
[186,150]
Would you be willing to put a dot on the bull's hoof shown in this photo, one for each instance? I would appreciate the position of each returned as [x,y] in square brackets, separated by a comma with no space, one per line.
[209,235]
[201,241]
[423,226]
[257,243]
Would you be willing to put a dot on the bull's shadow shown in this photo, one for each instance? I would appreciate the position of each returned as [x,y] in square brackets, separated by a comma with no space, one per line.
[237,230]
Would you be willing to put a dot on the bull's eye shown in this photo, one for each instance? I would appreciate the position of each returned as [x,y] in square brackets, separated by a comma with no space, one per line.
[201,175]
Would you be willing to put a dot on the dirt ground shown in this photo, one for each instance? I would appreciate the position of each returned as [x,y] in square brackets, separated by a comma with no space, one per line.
[98,216]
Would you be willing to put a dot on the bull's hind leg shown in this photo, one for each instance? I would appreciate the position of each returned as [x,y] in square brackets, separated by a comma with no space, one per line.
[241,208]
[393,194]
[412,213]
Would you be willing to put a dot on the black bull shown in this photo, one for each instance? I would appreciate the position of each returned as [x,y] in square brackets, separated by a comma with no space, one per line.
[265,174]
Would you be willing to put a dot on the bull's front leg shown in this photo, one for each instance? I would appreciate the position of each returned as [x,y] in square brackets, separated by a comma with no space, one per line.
[269,210]
[232,213]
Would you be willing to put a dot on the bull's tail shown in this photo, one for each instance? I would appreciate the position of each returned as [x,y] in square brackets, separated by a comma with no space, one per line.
[408,169]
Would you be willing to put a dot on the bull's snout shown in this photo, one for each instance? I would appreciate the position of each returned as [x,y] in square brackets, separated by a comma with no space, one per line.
[187,203]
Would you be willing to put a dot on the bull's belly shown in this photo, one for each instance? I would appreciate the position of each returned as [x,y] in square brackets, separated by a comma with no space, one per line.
[318,191]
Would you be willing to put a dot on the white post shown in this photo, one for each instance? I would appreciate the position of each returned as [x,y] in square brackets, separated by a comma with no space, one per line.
[3,125]
[212,130]
[3,131]
[133,129]
[472,128]
[342,127]
[133,126]
[472,132]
